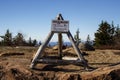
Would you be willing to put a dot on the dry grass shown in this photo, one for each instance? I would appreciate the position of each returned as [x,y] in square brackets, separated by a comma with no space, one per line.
[97,58]
[17,66]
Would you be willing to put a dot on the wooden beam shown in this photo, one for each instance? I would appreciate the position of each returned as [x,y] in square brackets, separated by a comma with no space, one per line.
[59,62]
[60,45]
[40,50]
[75,47]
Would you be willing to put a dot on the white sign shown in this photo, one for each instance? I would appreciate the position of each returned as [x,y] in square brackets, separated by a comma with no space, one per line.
[60,26]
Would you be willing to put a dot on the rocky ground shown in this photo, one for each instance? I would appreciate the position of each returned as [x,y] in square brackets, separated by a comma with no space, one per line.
[15,62]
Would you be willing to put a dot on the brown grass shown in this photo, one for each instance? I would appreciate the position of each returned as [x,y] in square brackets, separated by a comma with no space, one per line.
[97,58]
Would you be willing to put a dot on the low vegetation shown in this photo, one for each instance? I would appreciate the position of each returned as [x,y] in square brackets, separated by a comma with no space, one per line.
[16,67]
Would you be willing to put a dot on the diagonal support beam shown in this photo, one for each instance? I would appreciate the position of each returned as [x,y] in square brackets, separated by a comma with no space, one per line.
[74,46]
[77,50]
[40,50]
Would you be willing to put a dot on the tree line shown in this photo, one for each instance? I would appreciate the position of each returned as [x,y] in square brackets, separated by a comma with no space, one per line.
[18,40]
[107,36]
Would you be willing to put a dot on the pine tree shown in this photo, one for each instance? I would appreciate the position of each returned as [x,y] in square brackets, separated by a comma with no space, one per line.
[76,37]
[117,36]
[30,41]
[88,40]
[117,32]
[34,42]
[19,40]
[7,38]
[104,35]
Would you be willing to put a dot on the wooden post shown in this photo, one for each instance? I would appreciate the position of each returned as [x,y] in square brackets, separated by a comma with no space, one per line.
[59,17]
[60,45]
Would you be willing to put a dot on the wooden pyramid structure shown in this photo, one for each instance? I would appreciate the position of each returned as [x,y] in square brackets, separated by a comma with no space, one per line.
[59,26]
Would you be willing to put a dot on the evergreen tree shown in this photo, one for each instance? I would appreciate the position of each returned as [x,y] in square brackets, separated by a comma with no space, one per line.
[7,38]
[76,37]
[19,40]
[34,42]
[88,40]
[117,32]
[117,35]
[30,41]
[104,35]
[88,44]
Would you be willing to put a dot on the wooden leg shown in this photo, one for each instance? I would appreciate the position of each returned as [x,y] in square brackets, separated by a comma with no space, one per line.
[40,50]
[77,50]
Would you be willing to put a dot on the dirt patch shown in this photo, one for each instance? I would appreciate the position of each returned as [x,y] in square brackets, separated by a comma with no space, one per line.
[104,73]
[106,66]
[18,72]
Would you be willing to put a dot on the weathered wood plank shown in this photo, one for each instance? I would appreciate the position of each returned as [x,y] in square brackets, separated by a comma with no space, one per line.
[59,62]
